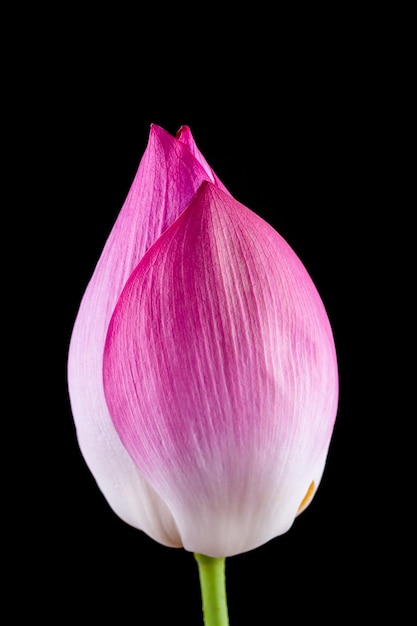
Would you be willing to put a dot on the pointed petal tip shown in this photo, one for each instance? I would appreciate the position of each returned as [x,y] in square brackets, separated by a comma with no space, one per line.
[155,129]
[160,132]
[183,131]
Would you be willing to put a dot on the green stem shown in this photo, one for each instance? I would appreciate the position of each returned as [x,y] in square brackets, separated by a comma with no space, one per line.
[213,589]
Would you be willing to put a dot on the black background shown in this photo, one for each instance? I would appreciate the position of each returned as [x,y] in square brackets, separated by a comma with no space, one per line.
[295,126]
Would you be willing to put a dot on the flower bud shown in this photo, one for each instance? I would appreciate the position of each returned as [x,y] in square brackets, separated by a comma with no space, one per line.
[202,367]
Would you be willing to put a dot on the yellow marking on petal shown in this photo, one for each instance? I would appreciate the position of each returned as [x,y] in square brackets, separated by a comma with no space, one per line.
[306,498]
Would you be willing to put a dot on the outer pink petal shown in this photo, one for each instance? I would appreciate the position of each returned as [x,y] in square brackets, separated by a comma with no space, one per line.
[221,377]
[167,179]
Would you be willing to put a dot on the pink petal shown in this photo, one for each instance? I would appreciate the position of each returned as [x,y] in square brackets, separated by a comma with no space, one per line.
[167,179]
[220,374]
[184,135]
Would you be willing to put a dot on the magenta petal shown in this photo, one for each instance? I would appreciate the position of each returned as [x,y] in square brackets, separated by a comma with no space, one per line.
[167,179]
[184,135]
[220,374]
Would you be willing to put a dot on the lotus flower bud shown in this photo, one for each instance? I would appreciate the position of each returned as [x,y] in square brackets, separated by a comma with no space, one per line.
[202,367]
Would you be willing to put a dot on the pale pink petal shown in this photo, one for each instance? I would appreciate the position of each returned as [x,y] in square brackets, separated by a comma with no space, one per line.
[220,374]
[167,179]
